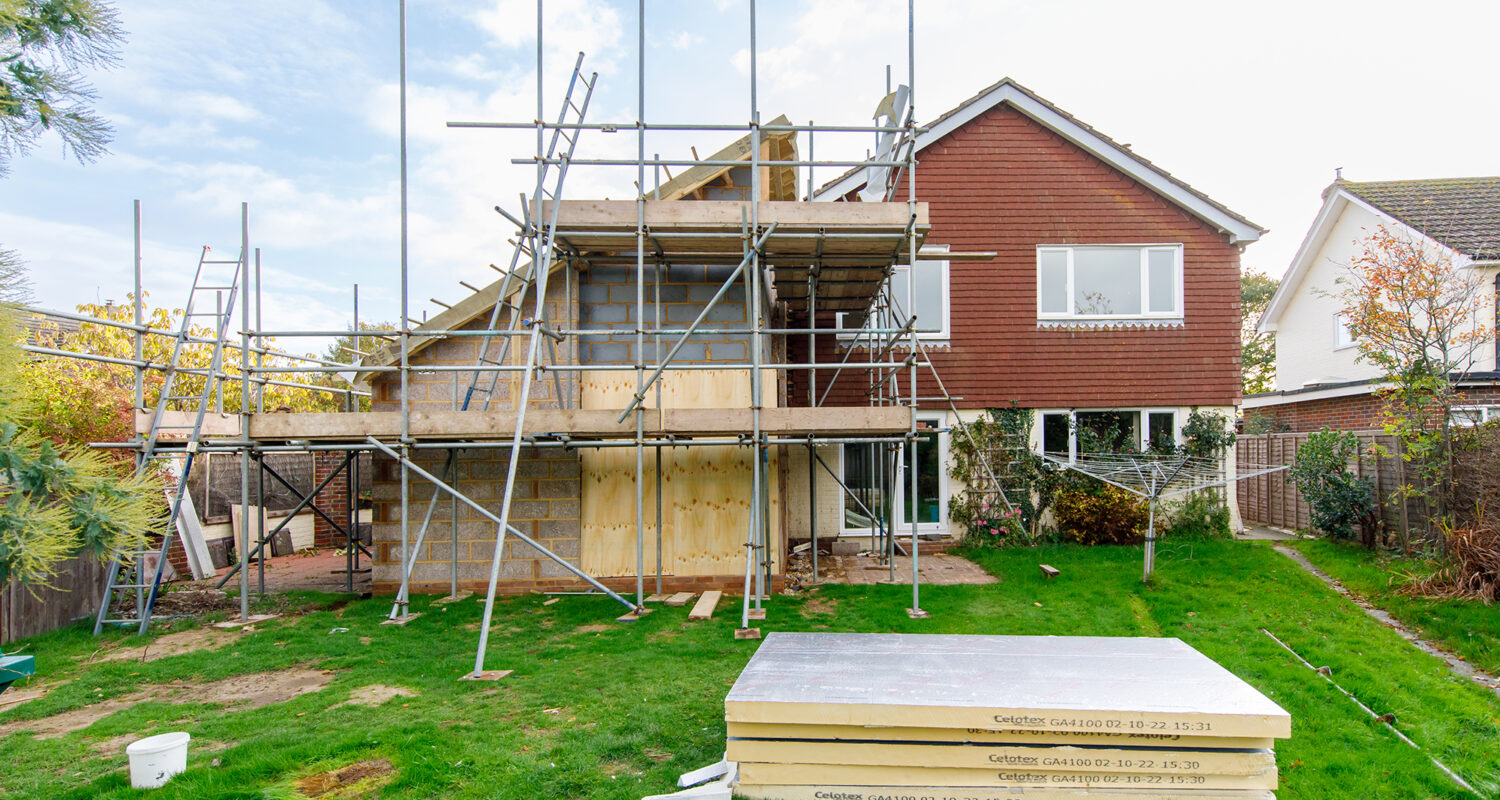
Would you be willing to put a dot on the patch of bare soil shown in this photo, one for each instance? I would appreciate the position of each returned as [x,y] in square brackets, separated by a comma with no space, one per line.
[240,692]
[819,605]
[374,694]
[356,780]
[184,601]
[595,628]
[14,697]
[173,644]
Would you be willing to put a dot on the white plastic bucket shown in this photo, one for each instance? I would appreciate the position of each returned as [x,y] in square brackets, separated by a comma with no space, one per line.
[155,759]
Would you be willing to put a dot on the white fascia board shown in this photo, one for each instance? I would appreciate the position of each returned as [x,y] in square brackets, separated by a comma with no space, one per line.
[1283,398]
[1312,244]
[1317,236]
[1119,158]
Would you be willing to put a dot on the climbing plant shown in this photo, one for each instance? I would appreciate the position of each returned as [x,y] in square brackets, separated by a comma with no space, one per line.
[1000,439]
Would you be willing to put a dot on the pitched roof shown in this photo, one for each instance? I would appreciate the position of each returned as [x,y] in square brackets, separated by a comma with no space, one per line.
[1007,91]
[782,186]
[1462,213]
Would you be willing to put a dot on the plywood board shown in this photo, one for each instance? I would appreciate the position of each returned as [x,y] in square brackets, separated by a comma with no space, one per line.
[680,599]
[821,791]
[854,733]
[705,490]
[704,608]
[895,775]
[1061,683]
[178,424]
[990,756]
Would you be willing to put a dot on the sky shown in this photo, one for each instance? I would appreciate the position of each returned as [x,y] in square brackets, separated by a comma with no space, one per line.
[292,106]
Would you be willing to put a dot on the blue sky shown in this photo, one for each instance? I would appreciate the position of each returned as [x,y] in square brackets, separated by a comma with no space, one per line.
[291,106]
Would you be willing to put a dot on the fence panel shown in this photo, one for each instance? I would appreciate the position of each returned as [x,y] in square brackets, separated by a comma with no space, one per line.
[27,611]
[1273,500]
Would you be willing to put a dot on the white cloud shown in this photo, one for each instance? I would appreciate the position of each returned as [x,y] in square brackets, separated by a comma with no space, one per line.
[685,40]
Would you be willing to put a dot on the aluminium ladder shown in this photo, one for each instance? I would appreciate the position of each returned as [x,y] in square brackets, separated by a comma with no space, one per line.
[135,570]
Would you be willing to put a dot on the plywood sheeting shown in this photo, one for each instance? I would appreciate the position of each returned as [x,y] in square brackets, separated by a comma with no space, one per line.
[705,490]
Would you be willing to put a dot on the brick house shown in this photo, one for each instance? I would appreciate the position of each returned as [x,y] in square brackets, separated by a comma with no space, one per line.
[1320,381]
[1112,297]
[1087,283]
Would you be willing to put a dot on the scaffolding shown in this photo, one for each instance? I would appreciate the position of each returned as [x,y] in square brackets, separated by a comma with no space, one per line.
[810,272]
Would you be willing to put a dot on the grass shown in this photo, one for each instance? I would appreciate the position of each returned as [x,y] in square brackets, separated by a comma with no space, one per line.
[598,709]
[1465,627]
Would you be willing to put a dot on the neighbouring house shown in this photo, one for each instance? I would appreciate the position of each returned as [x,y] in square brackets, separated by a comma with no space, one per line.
[1320,380]
[1082,281]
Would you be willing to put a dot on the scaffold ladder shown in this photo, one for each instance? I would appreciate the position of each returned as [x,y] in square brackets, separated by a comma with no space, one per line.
[516,283]
[136,570]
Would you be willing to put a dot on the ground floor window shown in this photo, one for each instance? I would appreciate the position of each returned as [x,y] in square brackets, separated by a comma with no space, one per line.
[1066,434]
[862,466]
[1469,416]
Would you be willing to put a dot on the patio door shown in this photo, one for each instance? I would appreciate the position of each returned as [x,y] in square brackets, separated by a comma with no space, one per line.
[930,505]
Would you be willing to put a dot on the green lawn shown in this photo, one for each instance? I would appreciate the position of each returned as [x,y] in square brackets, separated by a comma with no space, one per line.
[1468,628]
[598,709]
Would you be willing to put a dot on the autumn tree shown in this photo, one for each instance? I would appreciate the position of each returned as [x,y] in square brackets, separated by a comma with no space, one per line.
[80,401]
[1257,350]
[1417,314]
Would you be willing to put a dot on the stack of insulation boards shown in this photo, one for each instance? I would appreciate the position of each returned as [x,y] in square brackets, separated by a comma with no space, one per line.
[832,716]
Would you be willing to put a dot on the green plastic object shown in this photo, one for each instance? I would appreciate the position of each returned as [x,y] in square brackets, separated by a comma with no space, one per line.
[14,668]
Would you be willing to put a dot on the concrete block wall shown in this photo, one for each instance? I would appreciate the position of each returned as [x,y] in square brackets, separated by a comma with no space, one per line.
[444,391]
[545,506]
[607,302]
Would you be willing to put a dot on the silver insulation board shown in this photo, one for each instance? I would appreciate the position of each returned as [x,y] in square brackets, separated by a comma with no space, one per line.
[1055,683]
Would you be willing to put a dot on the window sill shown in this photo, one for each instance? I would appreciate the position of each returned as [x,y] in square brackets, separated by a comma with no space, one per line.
[1106,324]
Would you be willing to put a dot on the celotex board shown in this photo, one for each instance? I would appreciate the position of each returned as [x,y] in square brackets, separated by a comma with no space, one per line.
[835,792]
[915,776]
[1047,683]
[983,756]
[871,733]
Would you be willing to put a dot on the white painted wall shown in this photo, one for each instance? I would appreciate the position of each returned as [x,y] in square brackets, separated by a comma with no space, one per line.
[1305,352]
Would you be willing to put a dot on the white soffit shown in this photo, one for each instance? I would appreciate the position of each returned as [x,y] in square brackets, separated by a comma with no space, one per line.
[1106,151]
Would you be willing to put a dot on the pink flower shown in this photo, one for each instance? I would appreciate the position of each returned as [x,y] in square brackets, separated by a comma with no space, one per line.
[994,531]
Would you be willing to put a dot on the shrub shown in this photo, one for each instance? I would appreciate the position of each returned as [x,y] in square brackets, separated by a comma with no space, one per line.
[1107,515]
[1201,515]
[1336,498]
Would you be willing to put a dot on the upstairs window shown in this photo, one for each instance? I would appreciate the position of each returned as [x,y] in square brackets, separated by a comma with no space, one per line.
[1342,336]
[931,298]
[1109,282]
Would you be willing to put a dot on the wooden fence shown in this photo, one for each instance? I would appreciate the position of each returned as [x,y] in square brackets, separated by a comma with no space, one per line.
[1274,500]
[27,611]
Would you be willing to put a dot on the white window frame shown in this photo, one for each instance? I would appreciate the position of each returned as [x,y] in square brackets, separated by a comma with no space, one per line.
[924,326]
[898,493]
[1145,250]
[1343,338]
[1486,414]
[1143,435]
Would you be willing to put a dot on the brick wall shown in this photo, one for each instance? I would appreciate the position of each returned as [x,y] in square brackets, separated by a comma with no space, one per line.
[334,498]
[1350,413]
[1006,184]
